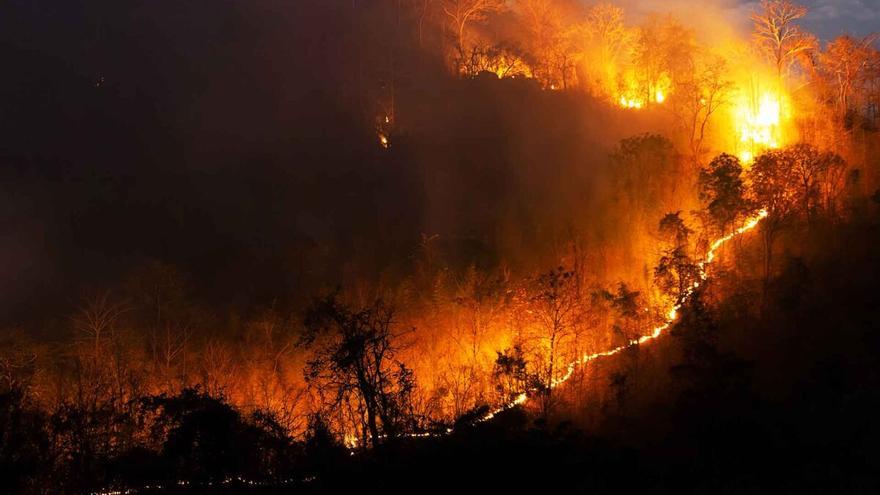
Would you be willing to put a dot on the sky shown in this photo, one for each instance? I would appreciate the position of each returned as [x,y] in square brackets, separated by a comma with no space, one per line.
[830,18]
[827,18]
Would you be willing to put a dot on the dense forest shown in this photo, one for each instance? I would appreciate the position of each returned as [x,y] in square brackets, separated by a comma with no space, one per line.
[412,245]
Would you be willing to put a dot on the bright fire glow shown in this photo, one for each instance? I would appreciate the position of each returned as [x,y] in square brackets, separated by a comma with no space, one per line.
[631,102]
[671,316]
[758,119]
[636,103]
[659,96]
[383,141]
[635,93]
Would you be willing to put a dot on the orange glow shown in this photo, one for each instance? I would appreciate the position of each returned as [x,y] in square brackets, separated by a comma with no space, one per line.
[758,118]
[631,103]
[671,316]
[637,103]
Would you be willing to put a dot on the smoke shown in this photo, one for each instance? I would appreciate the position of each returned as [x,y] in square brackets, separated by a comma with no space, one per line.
[237,142]
[714,21]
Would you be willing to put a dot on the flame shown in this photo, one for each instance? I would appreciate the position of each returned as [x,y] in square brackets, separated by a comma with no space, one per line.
[631,103]
[758,119]
[350,441]
[671,317]
[635,93]
[636,102]
[659,96]
[383,141]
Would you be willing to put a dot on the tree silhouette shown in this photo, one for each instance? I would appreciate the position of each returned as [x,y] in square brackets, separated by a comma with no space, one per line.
[355,363]
[777,35]
[676,271]
[463,12]
[556,307]
[723,191]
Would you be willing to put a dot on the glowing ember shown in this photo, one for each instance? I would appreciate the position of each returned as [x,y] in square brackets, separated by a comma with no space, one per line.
[383,141]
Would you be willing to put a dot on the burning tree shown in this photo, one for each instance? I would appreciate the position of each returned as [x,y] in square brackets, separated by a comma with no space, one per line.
[663,55]
[550,41]
[501,60]
[355,366]
[608,43]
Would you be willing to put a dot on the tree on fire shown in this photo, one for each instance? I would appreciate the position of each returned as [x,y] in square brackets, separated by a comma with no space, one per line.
[355,368]
[551,43]
[607,45]
[663,56]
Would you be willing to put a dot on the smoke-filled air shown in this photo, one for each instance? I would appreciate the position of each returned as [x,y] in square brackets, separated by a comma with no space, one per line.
[398,246]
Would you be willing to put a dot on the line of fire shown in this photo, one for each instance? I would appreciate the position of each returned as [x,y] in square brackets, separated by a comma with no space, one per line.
[414,245]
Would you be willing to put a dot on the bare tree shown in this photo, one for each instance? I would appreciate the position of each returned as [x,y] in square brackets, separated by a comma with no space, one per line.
[463,12]
[218,367]
[550,40]
[424,7]
[697,98]
[96,320]
[777,35]
[607,45]
[556,307]
[845,66]
[663,56]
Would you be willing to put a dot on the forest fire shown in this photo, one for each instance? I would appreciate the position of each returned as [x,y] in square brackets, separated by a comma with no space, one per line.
[759,124]
[640,94]
[375,241]
[659,96]
[671,316]
[631,103]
